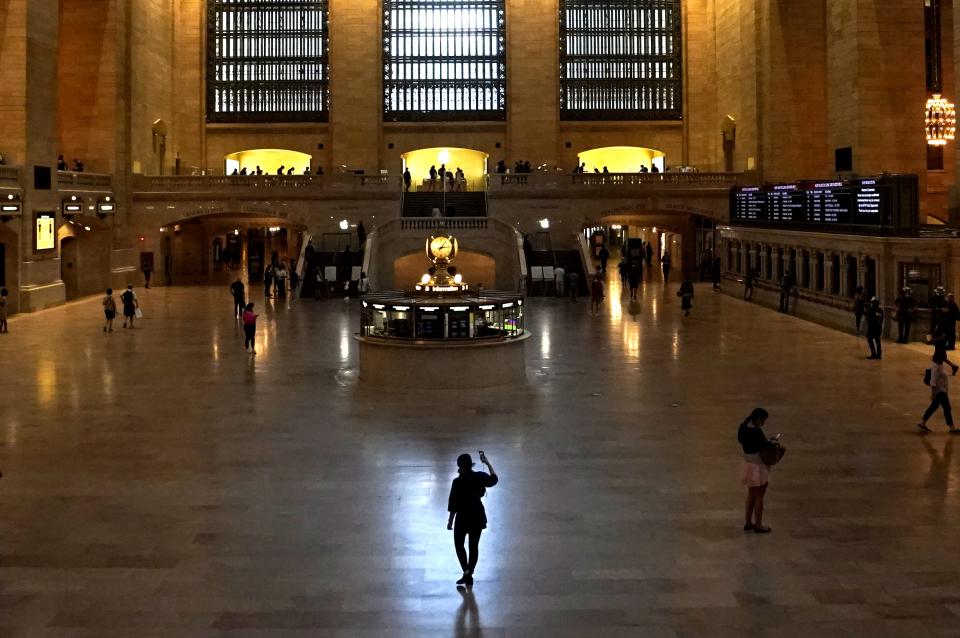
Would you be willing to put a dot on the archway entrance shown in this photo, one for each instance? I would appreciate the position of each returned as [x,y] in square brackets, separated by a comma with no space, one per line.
[626,237]
[472,163]
[269,160]
[84,256]
[217,249]
[622,159]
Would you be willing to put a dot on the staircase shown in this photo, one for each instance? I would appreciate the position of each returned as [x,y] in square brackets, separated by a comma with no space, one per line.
[470,204]
[568,259]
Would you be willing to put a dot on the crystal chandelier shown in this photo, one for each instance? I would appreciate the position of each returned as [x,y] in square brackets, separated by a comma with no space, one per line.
[941,120]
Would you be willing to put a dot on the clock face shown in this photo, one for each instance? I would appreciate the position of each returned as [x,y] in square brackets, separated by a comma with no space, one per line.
[442,247]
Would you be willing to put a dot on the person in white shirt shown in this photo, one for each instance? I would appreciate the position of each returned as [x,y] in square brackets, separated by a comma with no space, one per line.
[939,393]
[560,280]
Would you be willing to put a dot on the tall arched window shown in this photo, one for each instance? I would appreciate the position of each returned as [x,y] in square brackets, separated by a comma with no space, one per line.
[267,61]
[443,60]
[620,60]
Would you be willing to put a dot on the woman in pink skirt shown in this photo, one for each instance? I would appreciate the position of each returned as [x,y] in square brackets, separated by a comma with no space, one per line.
[755,474]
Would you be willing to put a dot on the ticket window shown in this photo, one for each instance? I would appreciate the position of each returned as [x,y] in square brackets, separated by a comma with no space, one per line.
[430,323]
[490,321]
[512,320]
[459,323]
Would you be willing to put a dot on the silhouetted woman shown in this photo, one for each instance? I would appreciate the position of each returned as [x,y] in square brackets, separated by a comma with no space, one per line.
[755,474]
[467,515]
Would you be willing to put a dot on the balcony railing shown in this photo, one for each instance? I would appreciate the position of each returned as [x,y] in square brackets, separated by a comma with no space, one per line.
[272,184]
[556,180]
[69,180]
[443,223]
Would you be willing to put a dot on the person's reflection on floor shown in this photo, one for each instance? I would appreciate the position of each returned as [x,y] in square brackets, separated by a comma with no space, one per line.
[468,616]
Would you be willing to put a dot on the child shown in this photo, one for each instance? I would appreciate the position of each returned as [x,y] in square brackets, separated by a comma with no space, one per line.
[109,310]
[596,295]
[249,328]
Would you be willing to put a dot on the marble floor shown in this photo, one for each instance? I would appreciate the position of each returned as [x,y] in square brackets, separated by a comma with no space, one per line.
[161,482]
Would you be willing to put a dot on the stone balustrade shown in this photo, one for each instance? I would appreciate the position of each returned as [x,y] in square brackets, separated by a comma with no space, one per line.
[553,180]
[79,181]
[272,185]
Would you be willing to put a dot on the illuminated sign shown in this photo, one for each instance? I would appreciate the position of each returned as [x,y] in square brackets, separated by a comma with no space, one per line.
[46,231]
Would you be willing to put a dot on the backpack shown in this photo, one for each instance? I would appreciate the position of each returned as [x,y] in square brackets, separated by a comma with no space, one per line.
[127,298]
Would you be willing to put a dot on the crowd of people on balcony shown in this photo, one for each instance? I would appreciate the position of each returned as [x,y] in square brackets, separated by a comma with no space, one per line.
[441,180]
[282,171]
[62,165]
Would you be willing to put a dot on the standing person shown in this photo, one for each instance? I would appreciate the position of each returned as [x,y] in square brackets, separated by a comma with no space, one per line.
[906,307]
[3,309]
[937,302]
[633,277]
[939,383]
[715,271]
[622,268]
[407,179]
[748,284]
[294,280]
[574,285]
[686,296]
[755,474]
[147,271]
[237,290]
[109,310]
[786,286]
[130,305]
[604,255]
[280,276]
[467,514]
[268,280]
[859,305]
[666,262]
[874,314]
[249,328]
[649,254]
[950,313]
[596,295]
[560,280]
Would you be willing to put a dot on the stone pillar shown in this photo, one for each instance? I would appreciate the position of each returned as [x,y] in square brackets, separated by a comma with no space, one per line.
[828,273]
[775,263]
[753,256]
[861,271]
[844,275]
[764,252]
[800,276]
[734,256]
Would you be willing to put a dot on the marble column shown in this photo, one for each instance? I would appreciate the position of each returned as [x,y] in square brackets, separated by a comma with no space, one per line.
[775,263]
[798,270]
[844,274]
[814,269]
[764,270]
[828,273]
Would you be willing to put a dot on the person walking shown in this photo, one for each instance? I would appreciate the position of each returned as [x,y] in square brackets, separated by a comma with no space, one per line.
[859,305]
[280,276]
[574,285]
[950,313]
[748,284]
[633,278]
[938,378]
[686,296]
[716,272]
[665,263]
[648,253]
[249,328]
[268,280]
[109,310]
[622,269]
[130,305]
[755,474]
[560,280]
[147,272]
[468,518]
[604,255]
[4,293]
[596,295]
[786,286]
[874,315]
[906,308]
[239,302]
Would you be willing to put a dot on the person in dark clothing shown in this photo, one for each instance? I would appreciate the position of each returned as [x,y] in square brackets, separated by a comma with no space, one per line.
[874,314]
[649,254]
[665,263]
[622,268]
[268,280]
[748,284]
[604,255]
[859,305]
[950,313]
[467,514]
[906,307]
[501,167]
[633,277]
[786,286]
[715,270]
[407,179]
[756,474]
[936,303]
[61,163]
[686,296]
[239,303]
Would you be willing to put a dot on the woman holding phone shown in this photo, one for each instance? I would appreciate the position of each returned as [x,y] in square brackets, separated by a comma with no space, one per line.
[467,515]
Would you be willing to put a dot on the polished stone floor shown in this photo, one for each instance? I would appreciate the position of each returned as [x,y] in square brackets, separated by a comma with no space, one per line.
[161,482]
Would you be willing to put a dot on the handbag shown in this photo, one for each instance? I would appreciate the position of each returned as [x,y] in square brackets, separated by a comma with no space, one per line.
[138,313]
[771,453]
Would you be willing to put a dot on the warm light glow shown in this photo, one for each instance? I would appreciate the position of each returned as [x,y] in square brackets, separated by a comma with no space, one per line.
[457,278]
[268,159]
[621,159]
[443,156]
[425,279]
[941,120]
[545,223]
[344,224]
[473,163]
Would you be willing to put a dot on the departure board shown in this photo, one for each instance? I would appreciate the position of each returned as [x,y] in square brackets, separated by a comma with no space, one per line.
[886,205]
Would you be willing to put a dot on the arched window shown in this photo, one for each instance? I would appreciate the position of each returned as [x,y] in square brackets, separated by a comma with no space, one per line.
[444,60]
[267,61]
[620,60]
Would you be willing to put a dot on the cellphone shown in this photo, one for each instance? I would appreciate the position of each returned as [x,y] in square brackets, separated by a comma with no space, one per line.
[482,455]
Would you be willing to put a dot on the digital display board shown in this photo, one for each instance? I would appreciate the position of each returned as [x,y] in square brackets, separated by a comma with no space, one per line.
[46,231]
[886,205]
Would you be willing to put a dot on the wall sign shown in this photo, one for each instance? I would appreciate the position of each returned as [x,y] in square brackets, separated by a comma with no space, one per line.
[46,231]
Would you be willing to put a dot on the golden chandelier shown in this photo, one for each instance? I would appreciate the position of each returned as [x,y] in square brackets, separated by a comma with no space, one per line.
[941,120]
